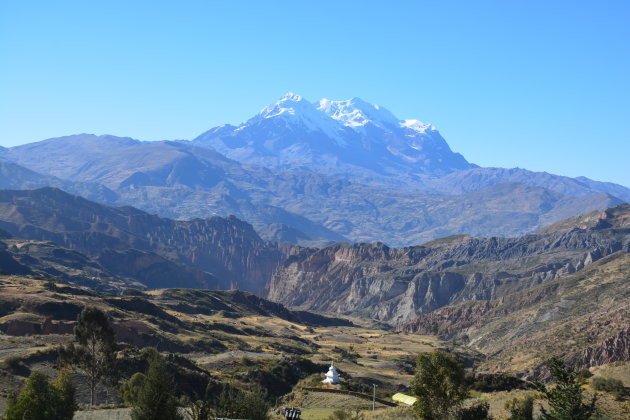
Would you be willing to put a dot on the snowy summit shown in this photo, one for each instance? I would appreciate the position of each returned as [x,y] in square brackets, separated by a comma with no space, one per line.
[336,137]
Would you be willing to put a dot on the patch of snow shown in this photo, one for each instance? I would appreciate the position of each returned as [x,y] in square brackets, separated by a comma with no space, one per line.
[356,113]
[295,111]
[418,126]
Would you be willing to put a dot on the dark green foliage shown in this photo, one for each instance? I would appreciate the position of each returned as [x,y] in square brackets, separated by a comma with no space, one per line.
[156,400]
[41,400]
[237,404]
[66,392]
[521,408]
[583,374]
[255,404]
[279,376]
[565,398]
[93,353]
[132,387]
[476,412]
[191,380]
[614,386]
[492,382]
[439,385]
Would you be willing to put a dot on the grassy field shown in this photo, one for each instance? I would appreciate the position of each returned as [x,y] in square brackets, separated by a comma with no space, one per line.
[617,370]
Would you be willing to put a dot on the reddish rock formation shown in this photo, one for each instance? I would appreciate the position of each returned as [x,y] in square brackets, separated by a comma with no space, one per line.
[613,349]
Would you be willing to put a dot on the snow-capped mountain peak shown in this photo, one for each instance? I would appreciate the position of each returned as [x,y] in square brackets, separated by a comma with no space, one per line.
[291,103]
[356,113]
[297,112]
[336,137]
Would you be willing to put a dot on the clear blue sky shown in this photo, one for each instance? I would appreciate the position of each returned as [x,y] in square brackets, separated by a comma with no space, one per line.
[543,85]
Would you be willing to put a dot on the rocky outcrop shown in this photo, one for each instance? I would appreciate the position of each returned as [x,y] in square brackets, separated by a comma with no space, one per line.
[613,349]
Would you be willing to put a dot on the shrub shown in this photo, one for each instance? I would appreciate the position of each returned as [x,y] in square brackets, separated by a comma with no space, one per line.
[236,403]
[41,400]
[132,387]
[491,382]
[478,411]
[614,386]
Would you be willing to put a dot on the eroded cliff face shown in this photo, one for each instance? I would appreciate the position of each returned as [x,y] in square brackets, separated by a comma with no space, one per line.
[219,252]
[397,285]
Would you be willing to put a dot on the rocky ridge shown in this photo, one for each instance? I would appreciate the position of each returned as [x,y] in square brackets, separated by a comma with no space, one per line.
[215,252]
[396,285]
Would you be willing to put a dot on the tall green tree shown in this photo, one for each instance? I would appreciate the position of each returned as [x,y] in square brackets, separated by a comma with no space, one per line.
[439,385]
[41,400]
[156,399]
[565,397]
[93,352]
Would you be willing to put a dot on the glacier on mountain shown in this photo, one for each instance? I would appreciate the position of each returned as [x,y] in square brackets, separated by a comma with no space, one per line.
[348,138]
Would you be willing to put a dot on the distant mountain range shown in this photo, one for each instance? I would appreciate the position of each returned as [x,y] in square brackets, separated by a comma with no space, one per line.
[312,174]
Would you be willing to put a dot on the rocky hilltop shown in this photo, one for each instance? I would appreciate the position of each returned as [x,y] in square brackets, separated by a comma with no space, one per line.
[396,285]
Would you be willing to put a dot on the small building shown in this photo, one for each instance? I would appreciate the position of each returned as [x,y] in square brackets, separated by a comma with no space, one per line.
[404,399]
[332,376]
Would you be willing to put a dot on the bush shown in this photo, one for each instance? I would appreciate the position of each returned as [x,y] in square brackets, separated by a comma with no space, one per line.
[41,400]
[478,411]
[614,386]
[132,387]
[492,382]
[236,403]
